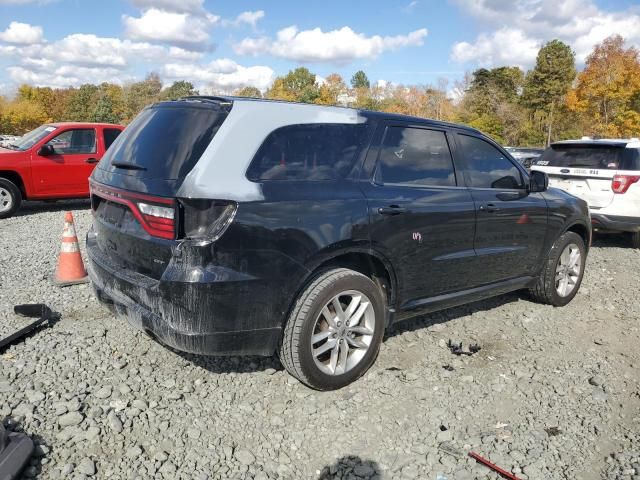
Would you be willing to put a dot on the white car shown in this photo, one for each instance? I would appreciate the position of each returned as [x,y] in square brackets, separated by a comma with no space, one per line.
[605,173]
[6,140]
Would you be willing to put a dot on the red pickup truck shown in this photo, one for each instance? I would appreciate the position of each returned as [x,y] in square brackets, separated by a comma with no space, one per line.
[52,162]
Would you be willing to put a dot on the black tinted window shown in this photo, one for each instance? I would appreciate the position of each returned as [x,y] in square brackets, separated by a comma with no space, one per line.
[596,156]
[323,151]
[415,156]
[488,167]
[110,134]
[166,140]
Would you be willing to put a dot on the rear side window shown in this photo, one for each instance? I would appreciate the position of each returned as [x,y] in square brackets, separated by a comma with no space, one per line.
[415,156]
[487,167]
[110,135]
[165,141]
[602,157]
[320,151]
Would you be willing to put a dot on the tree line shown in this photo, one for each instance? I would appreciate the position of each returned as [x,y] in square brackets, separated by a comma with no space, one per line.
[552,101]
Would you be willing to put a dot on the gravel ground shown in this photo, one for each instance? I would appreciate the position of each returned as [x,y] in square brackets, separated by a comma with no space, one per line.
[552,394]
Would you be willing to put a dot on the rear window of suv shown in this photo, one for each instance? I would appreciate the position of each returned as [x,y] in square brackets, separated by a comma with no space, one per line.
[602,157]
[314,152]
[165,141]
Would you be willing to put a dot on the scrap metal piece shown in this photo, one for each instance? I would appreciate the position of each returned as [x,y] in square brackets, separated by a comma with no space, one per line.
[15,451]
[32,310]
[456,348]
[492,466]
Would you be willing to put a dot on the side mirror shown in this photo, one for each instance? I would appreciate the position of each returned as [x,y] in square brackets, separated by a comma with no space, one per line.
[46,150]
[538,181]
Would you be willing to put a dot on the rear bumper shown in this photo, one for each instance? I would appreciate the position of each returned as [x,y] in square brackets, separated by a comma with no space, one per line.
[215,317]
[615,222]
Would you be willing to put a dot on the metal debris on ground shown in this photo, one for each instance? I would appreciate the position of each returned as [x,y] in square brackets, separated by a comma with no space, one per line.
[456,348]
[46,317]
[553,431]
[448,368]
[492,466]
[15,451]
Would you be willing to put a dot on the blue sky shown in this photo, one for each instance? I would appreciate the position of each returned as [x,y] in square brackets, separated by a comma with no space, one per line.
[220,46]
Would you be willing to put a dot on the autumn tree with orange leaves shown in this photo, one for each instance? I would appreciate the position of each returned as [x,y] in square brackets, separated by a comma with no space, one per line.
[607,93]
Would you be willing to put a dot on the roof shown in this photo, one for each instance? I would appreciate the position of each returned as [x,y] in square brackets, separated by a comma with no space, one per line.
[605,142]
[83,124]
[367,113]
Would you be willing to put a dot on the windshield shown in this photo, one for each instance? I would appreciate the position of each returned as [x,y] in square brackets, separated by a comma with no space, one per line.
[28,140]
[592,156]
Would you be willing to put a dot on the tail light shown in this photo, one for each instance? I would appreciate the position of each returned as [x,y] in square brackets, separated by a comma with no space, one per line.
[621,183]
[206,220]
[155,214]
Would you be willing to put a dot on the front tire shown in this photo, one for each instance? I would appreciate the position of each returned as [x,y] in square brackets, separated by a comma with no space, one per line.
[562,273]
[334,332]
[10,198]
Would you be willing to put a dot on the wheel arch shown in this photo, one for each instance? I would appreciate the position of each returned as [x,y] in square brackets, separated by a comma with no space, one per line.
[581,229]
[16,179]
[360,259]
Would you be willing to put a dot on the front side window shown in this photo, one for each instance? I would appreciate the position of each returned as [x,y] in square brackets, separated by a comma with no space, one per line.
[313,152]
[415,156]
[487,166]
[76,141]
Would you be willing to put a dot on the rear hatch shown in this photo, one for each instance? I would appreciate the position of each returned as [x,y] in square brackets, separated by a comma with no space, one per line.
[137,217]
[585,170]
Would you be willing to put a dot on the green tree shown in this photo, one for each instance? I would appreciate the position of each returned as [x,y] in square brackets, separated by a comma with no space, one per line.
[81,103]
[546,86]
[140,94]
[360,80]
[252,92]
[104,111]
[298,85]
[178,90]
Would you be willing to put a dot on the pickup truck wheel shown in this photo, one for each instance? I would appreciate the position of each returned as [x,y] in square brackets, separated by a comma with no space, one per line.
[10,198]
[635,239]
[562,273]
[334,331]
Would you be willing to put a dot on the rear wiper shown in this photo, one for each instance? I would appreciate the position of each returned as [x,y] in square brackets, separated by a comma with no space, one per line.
[127,166]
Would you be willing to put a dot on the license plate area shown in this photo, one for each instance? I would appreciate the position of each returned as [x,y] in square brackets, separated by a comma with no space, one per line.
[111,213]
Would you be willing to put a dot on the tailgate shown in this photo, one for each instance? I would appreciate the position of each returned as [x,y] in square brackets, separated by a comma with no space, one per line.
[592,185]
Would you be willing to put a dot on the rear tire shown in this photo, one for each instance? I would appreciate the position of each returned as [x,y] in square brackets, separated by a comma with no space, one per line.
[561,276]
[10,198]
[334,331]
[635,239]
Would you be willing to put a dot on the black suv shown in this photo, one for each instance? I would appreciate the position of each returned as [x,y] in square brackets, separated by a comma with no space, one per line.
[227,226]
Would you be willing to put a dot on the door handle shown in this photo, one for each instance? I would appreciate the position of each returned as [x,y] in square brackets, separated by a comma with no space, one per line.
[92,160]
[392,210]
[489,208]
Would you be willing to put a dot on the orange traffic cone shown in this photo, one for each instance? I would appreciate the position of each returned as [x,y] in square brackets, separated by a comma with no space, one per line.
[70,269]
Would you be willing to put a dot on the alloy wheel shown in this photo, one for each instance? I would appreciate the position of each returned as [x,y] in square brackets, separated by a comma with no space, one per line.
[568,270]
[343,332]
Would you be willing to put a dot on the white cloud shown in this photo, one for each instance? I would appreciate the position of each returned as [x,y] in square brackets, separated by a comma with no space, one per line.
[180,6]
[221,75]
[504,47]
[22,33]
[250,18]
[182,29]
[66,76]
[580,23]
[72,60]
[335,46]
